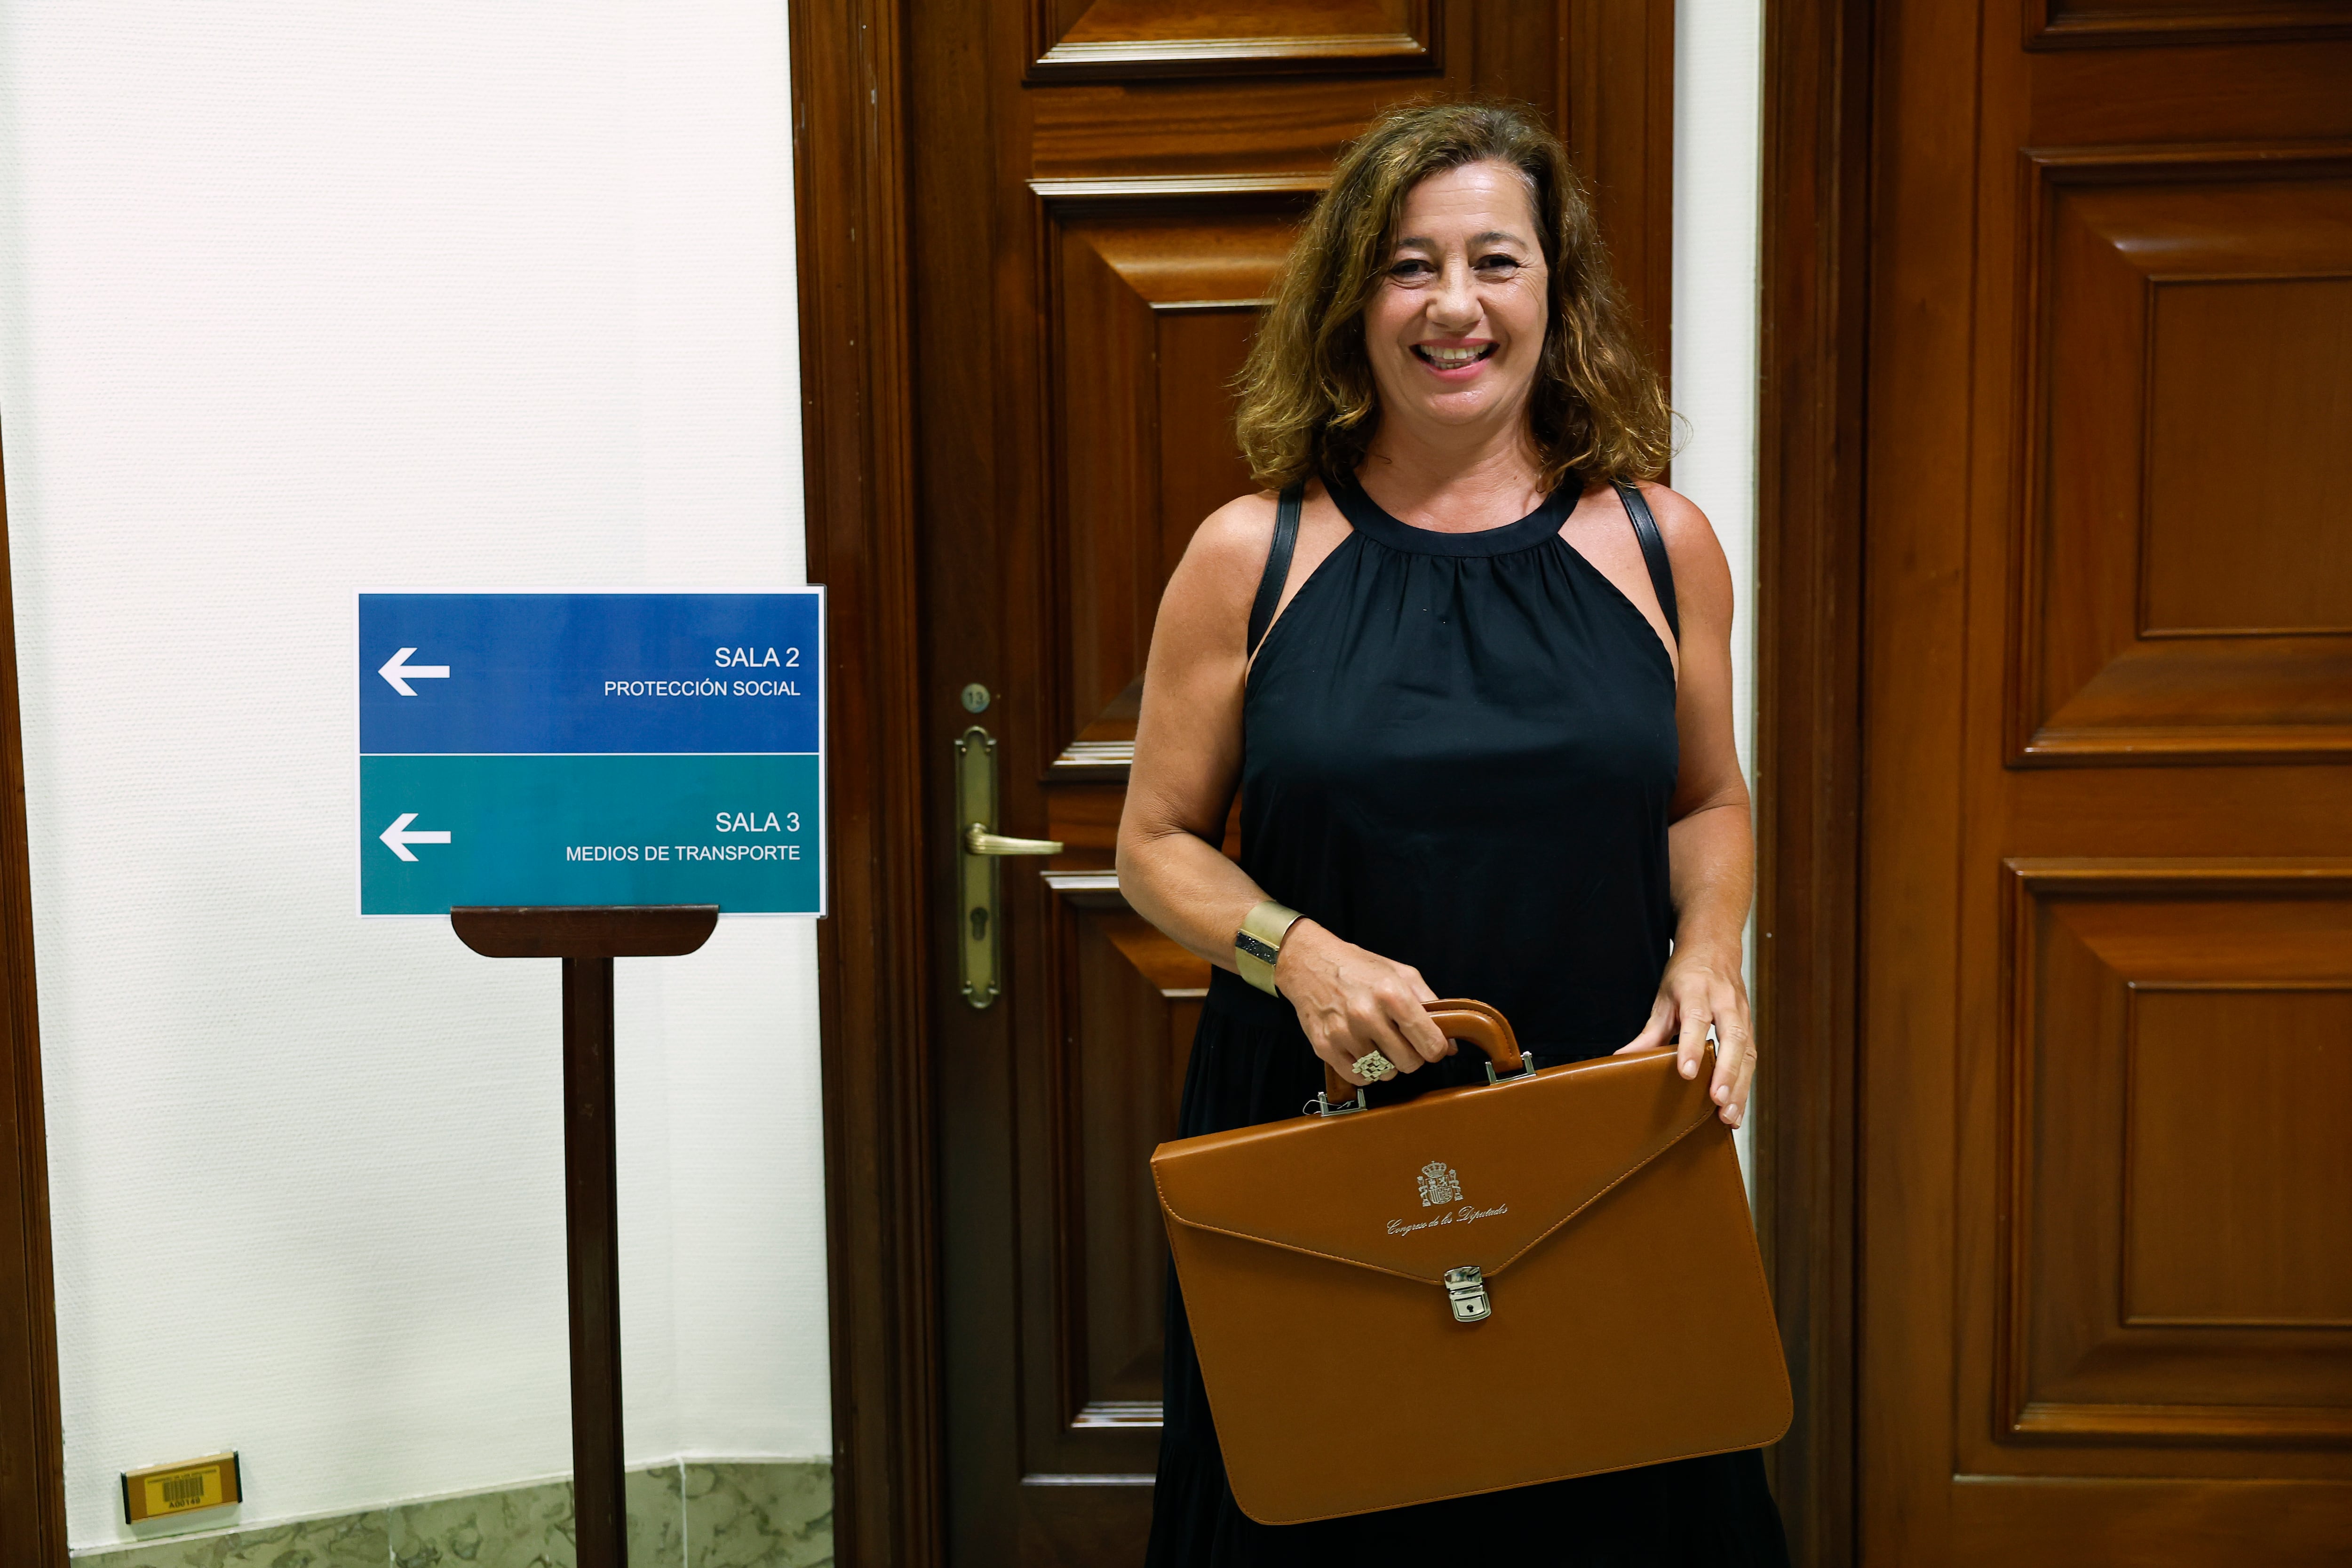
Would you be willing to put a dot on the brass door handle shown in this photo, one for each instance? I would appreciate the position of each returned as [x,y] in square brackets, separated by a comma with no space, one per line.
[979,926]
[979,840]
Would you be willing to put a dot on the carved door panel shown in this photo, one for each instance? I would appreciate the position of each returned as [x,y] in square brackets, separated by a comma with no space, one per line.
[1101,193]
[2106,1262]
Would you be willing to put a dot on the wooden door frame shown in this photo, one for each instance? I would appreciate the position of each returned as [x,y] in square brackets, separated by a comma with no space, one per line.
[851,200]
[855,357]
[1808,753]
[32,1432]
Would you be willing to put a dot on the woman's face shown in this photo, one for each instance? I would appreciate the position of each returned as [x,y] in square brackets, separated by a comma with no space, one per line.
[1455,331]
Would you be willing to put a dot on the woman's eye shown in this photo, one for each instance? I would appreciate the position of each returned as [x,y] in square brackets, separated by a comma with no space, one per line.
[1493,263]
[1409,271]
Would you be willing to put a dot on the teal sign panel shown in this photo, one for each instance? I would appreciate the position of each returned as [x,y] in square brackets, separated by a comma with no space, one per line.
[591,749]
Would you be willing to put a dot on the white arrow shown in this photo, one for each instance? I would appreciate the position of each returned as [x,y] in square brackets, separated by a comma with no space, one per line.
[397,838]
[400,674]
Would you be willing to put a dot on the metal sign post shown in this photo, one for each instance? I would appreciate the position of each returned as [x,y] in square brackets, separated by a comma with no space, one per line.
[587,941]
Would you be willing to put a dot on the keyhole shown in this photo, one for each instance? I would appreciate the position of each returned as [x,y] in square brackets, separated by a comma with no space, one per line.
[980,925]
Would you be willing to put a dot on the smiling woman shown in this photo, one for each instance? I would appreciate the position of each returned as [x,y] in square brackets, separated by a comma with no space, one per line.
[1470,677]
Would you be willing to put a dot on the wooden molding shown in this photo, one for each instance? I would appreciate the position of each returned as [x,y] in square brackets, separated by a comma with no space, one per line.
[2058,24]
[1182,187]
[2275,877]
[1416,44]
[849,158]
[1809,738]
[2083,1282]
[32,1432]
[2244,694]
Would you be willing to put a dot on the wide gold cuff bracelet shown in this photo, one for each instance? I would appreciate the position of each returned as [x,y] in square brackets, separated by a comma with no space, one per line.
[1259,943]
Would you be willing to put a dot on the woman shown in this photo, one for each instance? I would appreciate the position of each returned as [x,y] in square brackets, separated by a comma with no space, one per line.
[1476,754]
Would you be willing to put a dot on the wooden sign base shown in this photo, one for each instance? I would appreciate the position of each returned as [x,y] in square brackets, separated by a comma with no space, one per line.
[587,941]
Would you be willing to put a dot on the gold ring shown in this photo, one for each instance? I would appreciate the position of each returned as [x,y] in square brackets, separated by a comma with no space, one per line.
[1373,1067]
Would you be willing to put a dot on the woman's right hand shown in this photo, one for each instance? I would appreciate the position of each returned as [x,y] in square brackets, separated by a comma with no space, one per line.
[1350,1001]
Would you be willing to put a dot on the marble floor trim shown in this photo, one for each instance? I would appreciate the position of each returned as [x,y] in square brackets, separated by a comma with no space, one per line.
[687,1513]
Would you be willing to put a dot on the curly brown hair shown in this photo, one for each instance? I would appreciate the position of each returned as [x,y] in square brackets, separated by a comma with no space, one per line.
[1308,403]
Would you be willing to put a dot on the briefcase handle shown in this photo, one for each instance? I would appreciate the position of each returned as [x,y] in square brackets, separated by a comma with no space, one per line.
[1458,1019]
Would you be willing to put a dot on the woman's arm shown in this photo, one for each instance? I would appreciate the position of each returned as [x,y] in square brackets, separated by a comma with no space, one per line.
[1187,757]
[1711,847]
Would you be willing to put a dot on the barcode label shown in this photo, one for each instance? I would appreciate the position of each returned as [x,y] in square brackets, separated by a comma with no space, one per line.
[168,1490]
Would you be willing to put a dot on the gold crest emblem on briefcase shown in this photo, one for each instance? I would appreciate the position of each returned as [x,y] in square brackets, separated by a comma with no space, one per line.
[1439,1184]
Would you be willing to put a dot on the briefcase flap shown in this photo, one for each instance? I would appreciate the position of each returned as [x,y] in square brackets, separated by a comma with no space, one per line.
[1464,1176]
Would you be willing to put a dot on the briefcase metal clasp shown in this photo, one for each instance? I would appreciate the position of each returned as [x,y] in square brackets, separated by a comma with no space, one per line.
[1466,1289]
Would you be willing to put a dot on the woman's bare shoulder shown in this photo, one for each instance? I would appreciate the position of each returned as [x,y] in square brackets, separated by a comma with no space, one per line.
[1691,544]
[1243,523]
[1228,550]
[1679,518]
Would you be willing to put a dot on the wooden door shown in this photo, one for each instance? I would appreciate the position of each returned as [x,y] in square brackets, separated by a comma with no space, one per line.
[2105,1268]
[1100,194]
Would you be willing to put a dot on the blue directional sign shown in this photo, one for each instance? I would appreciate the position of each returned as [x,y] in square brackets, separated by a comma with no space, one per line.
[591,749]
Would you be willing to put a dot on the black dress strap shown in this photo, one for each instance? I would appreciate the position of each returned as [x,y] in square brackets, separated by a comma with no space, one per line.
[1277,564]
[1654,552]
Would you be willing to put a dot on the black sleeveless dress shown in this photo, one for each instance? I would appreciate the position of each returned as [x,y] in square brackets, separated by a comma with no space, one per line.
[1459,750]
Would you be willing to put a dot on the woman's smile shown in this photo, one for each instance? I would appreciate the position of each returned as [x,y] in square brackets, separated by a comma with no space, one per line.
[1455,362]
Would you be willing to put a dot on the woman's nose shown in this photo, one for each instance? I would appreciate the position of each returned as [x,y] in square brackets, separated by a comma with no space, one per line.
[1454,305]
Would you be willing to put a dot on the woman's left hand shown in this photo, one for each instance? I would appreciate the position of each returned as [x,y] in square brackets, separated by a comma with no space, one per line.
[1702,989]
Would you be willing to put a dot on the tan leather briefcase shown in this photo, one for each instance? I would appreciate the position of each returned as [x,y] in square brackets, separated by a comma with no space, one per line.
[1551,1274]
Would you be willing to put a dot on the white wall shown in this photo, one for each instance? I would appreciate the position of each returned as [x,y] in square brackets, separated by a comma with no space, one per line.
[293,297]
[1718,89]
